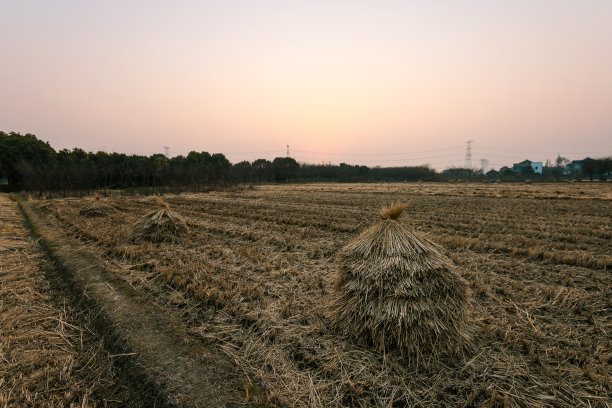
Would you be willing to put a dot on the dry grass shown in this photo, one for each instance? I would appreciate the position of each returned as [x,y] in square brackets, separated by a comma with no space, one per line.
[393,211]
[48,356]
[255,273]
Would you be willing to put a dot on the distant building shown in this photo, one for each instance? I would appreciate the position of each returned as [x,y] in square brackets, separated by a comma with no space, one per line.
[536,166]
[518,167]
[575,166]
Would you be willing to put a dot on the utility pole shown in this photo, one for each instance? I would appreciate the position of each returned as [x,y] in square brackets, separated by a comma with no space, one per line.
[287,150]
[468,154]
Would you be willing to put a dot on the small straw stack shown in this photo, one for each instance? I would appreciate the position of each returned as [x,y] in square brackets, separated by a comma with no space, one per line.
[96,208]
[159,226]
[395,290]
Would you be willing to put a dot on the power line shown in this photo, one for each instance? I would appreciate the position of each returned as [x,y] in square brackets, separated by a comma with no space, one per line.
[380,154]
[501,156]
[519,156]
[524,151]
[399,159]
[252,153]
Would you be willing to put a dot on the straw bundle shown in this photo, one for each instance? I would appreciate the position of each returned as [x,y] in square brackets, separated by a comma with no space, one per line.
[395,290]
[96,208]
[159,226]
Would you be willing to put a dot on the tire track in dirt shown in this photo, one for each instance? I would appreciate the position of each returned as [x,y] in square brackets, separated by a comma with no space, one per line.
[48,354]
[181,369]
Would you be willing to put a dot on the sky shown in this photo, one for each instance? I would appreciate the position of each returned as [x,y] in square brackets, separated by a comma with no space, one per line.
[383,82]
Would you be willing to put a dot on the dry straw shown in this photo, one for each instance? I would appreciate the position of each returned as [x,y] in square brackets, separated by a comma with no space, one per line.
[159,226]
[395,290]
[96,208]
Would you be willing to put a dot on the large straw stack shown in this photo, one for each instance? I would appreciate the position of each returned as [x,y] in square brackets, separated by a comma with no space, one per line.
[159,226]
[397,291]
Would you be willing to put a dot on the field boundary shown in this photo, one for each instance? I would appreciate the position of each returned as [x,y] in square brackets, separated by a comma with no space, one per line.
[151,343]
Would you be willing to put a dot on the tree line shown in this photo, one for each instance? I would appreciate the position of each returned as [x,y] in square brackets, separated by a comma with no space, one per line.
[27,163]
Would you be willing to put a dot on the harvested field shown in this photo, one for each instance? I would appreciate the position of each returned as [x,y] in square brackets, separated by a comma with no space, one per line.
[255,274]
[49,356]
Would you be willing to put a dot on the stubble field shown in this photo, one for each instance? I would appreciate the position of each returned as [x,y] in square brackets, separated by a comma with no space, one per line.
[255,275]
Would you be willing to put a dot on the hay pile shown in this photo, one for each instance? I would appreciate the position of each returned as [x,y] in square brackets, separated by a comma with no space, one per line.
[395,290]
[96,208]
[159,226]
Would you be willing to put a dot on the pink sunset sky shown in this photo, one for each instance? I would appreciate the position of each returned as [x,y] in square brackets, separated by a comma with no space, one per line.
[364,82]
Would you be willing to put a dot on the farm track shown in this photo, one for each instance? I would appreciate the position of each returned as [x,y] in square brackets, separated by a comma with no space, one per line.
[537,261]
[49,353]
[176,368]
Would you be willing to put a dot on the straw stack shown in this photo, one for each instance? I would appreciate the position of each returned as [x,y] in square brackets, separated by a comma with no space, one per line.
[159,226]
[96,208]
[395,290]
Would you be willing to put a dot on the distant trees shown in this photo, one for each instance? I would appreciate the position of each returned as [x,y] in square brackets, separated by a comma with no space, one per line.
[557,170]
[492,174]
[24,155]
[561,162]
[589,166]
[285,169]
[596,168]
[262,169]
[355,173]
[413,173]
[328,172]
[527,172]
[30,164]
[243,171]
[604,168]
[459,173]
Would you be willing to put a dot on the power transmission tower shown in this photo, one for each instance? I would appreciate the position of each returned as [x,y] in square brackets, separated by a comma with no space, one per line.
[167,151]
[468,154]
[484,165]
[287,150]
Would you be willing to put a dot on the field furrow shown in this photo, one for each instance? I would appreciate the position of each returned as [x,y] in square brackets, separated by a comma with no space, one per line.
[262,263]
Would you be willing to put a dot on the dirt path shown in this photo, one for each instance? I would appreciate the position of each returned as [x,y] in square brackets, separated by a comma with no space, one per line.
[48,356]
[181,369]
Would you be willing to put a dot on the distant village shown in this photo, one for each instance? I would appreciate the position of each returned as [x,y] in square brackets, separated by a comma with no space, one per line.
[587,168]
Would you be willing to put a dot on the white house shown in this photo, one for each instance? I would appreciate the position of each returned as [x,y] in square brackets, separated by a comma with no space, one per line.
[537,167]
